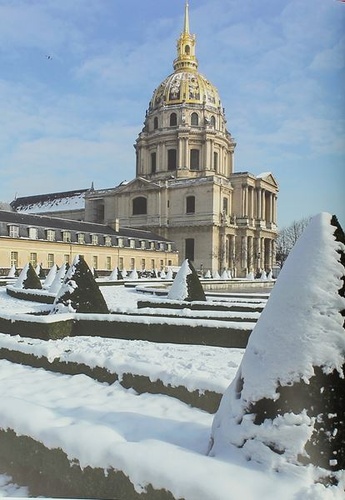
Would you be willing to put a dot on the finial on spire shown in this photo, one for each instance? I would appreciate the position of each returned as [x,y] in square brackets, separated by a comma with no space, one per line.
[186,59]
[186,18]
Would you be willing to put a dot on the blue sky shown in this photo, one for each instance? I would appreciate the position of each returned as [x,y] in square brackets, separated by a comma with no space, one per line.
[73,119]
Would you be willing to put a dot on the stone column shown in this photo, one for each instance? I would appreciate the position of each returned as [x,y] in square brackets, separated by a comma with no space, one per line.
[258,204]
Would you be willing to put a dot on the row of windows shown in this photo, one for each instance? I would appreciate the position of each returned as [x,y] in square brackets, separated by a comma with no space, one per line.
[139,204]
[194,160]
[194,120]
[109,265]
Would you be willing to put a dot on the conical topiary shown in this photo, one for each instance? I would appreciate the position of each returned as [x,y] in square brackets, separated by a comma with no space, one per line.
[79,291]
[287,402]
[28,278]
[186,285]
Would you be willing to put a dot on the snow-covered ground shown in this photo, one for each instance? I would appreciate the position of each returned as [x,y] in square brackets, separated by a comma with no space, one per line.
[154,438]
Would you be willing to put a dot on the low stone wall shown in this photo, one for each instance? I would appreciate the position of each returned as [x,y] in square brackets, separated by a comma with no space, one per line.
[200,306]
[49,472]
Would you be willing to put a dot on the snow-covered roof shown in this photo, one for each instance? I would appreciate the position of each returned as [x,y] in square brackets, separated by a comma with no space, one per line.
[51,202]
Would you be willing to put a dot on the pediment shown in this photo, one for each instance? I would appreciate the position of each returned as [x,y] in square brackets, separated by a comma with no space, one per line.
[137,184]
[269,178]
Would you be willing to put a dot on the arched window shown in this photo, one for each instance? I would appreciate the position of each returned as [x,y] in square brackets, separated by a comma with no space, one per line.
[155,123]
[194,159]
[190,204]
[172,159]
[213,122]
[139,206]
[173,120]
[194,119]
[187,50]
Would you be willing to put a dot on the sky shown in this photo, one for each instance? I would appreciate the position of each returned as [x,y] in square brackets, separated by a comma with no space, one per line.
[76,79]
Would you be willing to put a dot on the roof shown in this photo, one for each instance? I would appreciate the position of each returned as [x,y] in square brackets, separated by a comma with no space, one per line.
[73,225]
[63,201]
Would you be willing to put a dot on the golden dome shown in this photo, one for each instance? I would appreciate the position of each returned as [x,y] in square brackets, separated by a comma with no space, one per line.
[185,85]
[188,87]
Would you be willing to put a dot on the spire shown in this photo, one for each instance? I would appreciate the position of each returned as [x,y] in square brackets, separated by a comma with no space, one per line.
[186,19]
[186,59]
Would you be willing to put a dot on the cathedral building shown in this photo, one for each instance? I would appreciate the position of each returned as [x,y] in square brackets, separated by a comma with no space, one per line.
[185,188]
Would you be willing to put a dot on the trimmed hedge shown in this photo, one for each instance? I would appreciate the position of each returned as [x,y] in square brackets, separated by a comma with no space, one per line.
[49,473]
[205,400]
[221,336]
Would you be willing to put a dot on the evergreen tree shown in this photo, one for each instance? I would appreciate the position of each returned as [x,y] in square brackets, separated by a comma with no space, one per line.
[79,291]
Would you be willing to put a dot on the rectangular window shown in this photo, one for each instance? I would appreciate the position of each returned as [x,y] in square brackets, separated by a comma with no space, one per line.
[95,261]
[120,242]
[153,263]
[121,263]
[194,159]
[132,243]
[66,236]
[14,231]
[50,260]
[108,263]
[153,162]
[189,248]
[50,235]
[172,159]
[132,263]
[66,258]
[33,259]
[215,161]
[143,264]
[14,259]
[33,233]
[94,239]
[81,238]
[162,264]
[169,263]
[225,206]
[107,241]
[190,204]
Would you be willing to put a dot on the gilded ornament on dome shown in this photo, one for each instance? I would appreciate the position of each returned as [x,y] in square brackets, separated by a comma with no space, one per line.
[194,91]
[175,88]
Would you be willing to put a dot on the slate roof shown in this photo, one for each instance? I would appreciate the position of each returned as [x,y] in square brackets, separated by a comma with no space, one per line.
[73,225]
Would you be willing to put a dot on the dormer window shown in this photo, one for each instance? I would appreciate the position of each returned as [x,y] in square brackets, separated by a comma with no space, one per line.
[94,239]
[13,231]
[33,233]
[66,236]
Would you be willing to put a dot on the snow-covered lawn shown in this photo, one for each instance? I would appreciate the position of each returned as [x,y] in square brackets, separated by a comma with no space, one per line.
[158,440]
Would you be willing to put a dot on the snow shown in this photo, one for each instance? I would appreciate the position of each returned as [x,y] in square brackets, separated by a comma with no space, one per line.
[301,327]
[159,440]
[179,288]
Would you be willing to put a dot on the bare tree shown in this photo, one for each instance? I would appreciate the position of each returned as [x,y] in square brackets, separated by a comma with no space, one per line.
[287,238]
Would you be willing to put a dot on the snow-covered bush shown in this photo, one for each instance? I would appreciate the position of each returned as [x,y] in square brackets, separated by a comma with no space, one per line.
[50,277]
[287,401]
[133,275]
[169,275]
[215,275]
[186,285]
[208,275]
[115,275]
[12,273]
[58,280]
[79,291]
[28,278]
